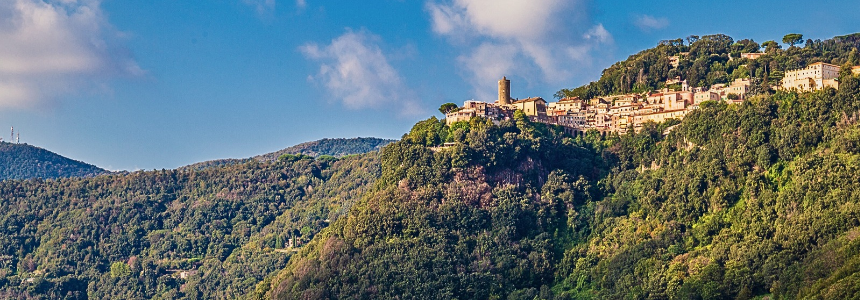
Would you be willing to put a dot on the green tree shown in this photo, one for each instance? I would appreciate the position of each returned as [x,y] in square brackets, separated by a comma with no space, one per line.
[692,39]
[119,269]
[447,108]
[792,38]
[770,46]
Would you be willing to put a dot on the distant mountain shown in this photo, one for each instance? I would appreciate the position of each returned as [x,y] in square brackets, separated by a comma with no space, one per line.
[22,161]
[333,147]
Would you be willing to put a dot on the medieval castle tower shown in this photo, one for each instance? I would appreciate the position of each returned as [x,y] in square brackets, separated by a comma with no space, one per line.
[504,91]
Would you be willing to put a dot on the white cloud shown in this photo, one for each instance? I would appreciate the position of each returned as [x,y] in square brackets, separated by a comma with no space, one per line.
[262,6]
[598,34]
[356,72]
[301,4]
[648,23]
[546,40]
[488,59]
[50,48]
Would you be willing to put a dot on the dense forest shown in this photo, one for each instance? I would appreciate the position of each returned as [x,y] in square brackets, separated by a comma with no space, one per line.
[169,234]
[736,202]
[713,59]
[22,161]
[486,218]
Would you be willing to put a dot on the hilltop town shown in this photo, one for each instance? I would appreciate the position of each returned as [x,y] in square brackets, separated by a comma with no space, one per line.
[628,112]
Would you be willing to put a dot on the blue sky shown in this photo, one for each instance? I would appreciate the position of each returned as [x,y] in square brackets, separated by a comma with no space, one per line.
[157,84]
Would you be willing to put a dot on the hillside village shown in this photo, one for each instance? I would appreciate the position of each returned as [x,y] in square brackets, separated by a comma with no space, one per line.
[628,112]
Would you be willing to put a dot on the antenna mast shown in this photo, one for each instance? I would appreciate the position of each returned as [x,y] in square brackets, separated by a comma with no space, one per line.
[18,141]
[12,136]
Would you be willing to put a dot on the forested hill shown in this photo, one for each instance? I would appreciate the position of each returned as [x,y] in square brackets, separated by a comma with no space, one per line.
[169,234]
[712,59]
[22,161]
[332,147]
[325,147]
[742,201]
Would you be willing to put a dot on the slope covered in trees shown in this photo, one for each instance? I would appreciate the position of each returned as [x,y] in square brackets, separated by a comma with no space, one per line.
[324,147]
[22,161]
[171,234]
[487,217]
[331,147]
[712,59]
[736,202]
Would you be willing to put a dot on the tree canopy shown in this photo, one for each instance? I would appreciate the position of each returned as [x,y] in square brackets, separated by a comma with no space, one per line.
[447,108]
[792,38]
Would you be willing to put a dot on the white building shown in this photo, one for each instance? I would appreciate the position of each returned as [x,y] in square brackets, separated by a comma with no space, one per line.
[813,77]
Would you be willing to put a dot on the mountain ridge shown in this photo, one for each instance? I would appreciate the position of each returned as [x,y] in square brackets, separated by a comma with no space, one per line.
[23,161]
[336,147]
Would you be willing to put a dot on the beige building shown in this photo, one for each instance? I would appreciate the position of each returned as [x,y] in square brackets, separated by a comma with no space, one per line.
[625,110]
[566,104]
[706,96]
[739,87]
[664,115]
[649,108]
[576,120]
[532,107]
[621,100]
[602,122]
[671,100]
[814,77]
[658,117]
[459,115]
[751,56]
[472,109]
[622,123]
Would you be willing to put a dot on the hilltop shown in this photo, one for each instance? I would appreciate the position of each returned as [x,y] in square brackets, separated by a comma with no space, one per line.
[22,161]
[333,147]
[338,147]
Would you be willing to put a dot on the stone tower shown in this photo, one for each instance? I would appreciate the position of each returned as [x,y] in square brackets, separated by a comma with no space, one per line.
[504,91]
